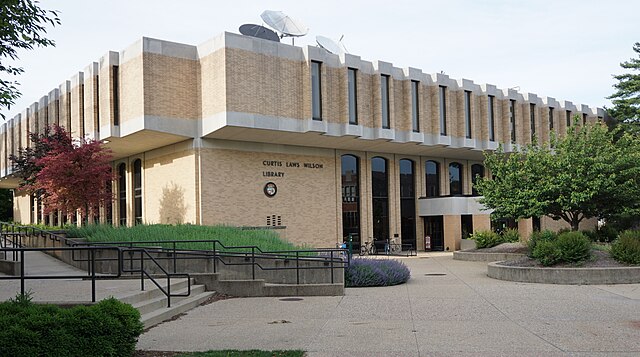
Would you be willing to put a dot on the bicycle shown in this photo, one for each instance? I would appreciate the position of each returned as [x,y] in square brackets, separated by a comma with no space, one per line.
[394,247]
[368,248]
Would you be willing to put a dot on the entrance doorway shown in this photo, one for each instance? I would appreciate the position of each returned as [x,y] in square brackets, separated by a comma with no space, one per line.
[433,227]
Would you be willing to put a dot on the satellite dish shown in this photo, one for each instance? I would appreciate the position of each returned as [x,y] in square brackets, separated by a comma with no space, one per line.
[284,24]
[259,32]
[331,45]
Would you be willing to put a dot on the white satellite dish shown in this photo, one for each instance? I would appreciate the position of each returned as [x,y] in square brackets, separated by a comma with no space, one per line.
[330,45]
[284,24]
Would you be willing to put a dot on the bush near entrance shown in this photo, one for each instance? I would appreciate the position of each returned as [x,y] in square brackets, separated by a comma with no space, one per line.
[488,239]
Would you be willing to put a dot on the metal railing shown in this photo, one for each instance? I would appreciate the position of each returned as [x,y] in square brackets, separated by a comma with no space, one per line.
[20,256]
[12,241]
[331,258]
[139,252]
[144,254]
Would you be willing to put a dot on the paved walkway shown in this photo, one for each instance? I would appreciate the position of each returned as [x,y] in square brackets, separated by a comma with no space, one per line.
[460,313]
[62,290]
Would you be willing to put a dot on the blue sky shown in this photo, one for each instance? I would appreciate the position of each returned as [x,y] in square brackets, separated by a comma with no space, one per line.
[563,49]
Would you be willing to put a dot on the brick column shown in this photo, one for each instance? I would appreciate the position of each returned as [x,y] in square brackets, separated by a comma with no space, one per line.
[452,232]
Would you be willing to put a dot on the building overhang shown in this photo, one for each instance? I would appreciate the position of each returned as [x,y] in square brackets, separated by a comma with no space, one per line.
[452,205]
[342,136]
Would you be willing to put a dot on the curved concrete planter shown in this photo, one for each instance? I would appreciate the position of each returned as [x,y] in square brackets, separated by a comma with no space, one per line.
[569,276]
[473,256]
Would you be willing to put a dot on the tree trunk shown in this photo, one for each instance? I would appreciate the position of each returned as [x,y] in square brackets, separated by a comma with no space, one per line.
[575,225]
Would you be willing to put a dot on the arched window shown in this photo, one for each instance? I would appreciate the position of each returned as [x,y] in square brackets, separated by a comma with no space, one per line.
[137,191]
[122,194]
[455,178]
[477,171]
[407,203]
[432,172]
[380,198]
[350,167]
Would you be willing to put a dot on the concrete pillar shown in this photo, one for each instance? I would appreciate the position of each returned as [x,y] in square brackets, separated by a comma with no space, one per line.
[525,228]
[481,222]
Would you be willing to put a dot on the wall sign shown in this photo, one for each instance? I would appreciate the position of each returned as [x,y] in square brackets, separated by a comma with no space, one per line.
[270,189]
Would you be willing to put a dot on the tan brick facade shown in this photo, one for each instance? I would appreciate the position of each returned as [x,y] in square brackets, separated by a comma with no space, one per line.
[304,203]
[207,120]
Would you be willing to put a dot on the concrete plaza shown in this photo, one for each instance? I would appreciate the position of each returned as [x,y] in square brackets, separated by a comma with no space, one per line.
[447,308]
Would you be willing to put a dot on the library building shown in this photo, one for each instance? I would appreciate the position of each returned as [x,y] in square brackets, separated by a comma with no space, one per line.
[318,146]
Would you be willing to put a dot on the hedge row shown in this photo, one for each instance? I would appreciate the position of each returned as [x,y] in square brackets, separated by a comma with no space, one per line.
[108,328]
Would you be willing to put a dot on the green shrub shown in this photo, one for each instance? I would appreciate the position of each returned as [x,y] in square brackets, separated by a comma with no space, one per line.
[606,234]
[626,249]
[574,247]
[486,239]
[108,328]
[592,235]
[510,235]
[541,236]
[547,253]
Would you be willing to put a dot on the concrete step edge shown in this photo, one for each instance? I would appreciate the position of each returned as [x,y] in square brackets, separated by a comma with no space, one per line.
[159,302]
[151,291]
[155,317]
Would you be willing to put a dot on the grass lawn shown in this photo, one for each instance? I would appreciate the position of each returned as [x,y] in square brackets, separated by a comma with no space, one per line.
[235,353]
[266,240]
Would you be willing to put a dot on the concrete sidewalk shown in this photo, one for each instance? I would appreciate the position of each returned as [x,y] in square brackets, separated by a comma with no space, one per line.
[461,313]
[62,290]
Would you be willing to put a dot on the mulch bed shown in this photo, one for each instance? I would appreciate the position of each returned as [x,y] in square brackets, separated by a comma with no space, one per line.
[599,258]
[518,248]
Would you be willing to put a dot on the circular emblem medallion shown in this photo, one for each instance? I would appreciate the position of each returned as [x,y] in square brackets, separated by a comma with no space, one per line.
[270,189]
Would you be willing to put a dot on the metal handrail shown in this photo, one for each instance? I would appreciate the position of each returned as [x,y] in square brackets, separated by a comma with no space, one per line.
[144,273]
[91,260]
[220,252]
[91,268]
[335,259]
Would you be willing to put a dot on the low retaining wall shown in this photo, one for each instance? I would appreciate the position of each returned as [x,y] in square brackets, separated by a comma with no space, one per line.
[234,268]
[9,267]
[475,256]
[568,276]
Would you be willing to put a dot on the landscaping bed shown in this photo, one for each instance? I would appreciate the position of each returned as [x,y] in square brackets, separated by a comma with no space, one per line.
[599,259]
[504,251]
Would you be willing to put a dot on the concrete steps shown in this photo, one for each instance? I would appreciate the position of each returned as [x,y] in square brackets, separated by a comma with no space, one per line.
[152,303]
[258,287]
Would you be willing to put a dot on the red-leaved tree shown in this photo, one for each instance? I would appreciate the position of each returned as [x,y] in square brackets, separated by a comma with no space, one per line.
[73,175]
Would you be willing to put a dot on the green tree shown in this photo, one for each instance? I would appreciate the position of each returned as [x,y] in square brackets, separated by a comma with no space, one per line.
[22,26]
[626,99]
[588,173]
